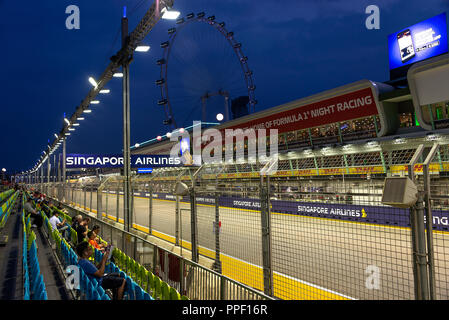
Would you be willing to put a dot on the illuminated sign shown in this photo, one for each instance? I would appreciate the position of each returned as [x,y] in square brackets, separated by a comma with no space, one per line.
[421,41]
[74,161]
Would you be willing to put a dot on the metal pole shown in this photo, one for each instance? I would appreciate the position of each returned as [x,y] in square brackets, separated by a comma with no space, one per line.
[266,236]
[118,201]
[100,203]
[217,263]
[48,174]
[177,222]
[227,107]
[418,236]
[429,221]
[126,133]
[91,195]
[63,168]
[150,213]
[193,226]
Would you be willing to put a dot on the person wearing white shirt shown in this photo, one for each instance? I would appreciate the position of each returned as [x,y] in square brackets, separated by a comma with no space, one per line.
[57,224]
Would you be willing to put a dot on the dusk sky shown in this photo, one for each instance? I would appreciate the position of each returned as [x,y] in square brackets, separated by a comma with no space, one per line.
[295,48]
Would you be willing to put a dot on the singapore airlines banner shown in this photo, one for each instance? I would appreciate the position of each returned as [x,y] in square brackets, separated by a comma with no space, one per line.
[75,161]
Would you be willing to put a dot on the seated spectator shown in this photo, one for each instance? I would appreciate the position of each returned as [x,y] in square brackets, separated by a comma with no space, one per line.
[91,237]
[111,281]
[76,221]
[96,229]
[57,224]
[61,208]
[82,229]
[37,218]
[47,210]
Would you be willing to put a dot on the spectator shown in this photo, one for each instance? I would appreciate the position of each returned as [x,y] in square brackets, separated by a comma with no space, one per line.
[57,224]
[61,208]
[82,229]
[96,229]
[76,221]
[111,281]
[91,237]
[48,210]
[37,219]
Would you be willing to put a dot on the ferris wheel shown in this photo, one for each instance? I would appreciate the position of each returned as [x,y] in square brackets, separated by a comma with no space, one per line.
[204,73]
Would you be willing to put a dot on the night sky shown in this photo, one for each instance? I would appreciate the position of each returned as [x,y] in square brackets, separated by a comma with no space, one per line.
[295,48]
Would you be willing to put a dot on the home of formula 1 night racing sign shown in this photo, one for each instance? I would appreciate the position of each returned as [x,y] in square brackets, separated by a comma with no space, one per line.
[74,161]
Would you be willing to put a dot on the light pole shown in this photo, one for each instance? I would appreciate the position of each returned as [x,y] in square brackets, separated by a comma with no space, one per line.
[126,128]
[125,62]
[3,174]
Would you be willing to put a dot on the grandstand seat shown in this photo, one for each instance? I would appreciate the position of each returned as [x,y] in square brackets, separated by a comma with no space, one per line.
[150,283]
[174,294]
[157,293]
[139,293]
[165,291]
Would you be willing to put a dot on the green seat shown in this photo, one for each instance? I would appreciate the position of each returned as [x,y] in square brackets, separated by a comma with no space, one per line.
[142,275]
[150,283]
[174,294]
[157,293]
[31,238]
[165,290]
[122,260]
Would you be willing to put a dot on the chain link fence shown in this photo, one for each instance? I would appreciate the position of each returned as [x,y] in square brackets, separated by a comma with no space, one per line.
[315,229]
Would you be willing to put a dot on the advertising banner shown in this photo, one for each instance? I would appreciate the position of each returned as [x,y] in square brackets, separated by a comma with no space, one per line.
[379,215]
[74,161]
[421,41]
[353,105]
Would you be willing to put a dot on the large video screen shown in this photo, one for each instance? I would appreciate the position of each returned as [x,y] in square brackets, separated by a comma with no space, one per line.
[421,41]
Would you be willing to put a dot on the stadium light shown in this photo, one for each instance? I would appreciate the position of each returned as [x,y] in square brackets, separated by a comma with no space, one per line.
[76,124]
[105,91]
[137,145]
[95,102]
[158,138]
[220,117]
[56,136]
[67,133]
[93,82]
[182,130]
[118,75]
[80,118]
[169,14]
[71,129]
[142,48]
[168,134]
[87,111]
[68,122]
[3,170]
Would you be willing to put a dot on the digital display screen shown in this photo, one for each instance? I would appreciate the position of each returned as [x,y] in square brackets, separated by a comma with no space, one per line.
[421,41]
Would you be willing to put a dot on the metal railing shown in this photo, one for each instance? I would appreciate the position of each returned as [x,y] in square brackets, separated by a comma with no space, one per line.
[189,278]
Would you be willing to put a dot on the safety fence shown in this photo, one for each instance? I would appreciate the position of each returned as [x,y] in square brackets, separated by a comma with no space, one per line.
[315,229]
[189,278]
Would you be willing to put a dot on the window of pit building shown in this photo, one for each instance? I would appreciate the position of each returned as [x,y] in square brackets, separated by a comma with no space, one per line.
[437,114]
